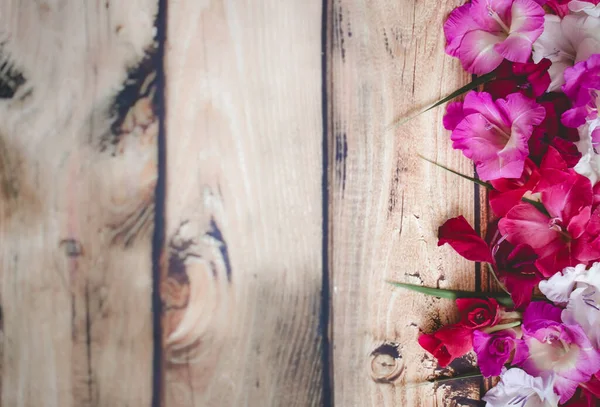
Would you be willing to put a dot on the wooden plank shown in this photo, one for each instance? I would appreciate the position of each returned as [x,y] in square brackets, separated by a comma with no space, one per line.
[242,268]
[387,59]
[77,176]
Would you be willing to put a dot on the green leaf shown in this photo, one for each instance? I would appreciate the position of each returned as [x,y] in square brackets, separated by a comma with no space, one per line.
[472,179]
[445,379]
[457,377]
[470,86]
[502,298]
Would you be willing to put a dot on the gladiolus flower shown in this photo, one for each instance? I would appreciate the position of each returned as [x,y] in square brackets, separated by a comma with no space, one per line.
[515,267]
[484,32]
[447,343]
[582,86]
[508,192]
[494,134]
[530,79]
[589,7]
[555,347]
[495,350]
[478,313]
[517,388]
[580,289]
[552,133]
[462,237]
[563,237]
[565,42]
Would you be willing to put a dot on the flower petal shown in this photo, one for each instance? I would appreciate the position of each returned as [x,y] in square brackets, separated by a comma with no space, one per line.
[558,288]
[454,115]
[462,237]
[524,224]
[477,52]
[459,23]
[578,6]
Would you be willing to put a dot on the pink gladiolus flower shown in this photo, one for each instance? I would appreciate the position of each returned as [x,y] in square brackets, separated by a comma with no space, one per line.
[494,350]
[484,32]
[582,86]
[494,134]
[557,348]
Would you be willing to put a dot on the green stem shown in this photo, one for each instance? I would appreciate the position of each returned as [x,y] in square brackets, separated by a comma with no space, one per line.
[502,298]
[502,327]
[493,273]
[472,179]
[446,379]
[458,377]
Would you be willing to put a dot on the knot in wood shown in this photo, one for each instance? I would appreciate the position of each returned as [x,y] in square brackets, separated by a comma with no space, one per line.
[386,363]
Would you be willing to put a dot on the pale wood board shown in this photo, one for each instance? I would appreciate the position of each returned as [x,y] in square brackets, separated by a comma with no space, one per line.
[76,203]
[386,59]
[243,257]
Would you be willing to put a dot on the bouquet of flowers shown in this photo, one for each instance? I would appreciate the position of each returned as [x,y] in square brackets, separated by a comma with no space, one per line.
[530,123]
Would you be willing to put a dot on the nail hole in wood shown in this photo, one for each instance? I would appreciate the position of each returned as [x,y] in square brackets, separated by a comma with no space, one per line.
[72,247]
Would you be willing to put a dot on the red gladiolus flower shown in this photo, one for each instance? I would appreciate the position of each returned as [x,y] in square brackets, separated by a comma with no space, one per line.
[563,237]
[478,313]
[517,271]
[514,266]
[447,343]
[530,79]
[462,237]
[552,133]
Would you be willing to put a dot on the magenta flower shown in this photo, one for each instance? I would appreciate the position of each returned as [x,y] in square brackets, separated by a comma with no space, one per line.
[557,348]
[582,86]
[484,32]
[495,349]
[494,134]
[563,237]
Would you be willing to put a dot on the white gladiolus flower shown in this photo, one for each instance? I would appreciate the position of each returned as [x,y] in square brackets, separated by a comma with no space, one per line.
[517,388]
[580,289]
[577,6]
[566,42]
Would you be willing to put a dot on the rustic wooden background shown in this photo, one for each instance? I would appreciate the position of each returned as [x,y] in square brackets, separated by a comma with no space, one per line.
[201,201]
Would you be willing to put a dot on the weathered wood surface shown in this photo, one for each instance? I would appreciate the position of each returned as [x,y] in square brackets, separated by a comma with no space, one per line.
[386,59]
[77,175]
[245,242]
[242,265]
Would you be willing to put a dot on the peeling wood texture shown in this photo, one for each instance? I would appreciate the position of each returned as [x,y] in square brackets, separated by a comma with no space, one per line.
[242,271]
[256,276]
[387,59]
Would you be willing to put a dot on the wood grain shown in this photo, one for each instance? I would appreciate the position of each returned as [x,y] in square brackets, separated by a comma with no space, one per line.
[77,176]
[242,267]
[387,59]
